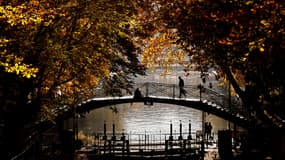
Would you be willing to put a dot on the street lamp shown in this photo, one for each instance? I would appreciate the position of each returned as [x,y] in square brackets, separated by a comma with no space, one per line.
[74,118]
[229,102]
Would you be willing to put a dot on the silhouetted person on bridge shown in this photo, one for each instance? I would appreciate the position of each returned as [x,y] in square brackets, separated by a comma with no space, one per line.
[137,94]
[182,91]
[208,131]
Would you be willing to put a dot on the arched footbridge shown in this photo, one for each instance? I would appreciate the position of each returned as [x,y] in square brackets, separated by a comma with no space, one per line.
[197,97]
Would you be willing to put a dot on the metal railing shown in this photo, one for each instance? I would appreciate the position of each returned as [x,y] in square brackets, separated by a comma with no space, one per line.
[146,144]
[31,145]
[153,89]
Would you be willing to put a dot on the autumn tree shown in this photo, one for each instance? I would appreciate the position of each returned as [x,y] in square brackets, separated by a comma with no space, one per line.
[242,39]
[161,51]
[54,53]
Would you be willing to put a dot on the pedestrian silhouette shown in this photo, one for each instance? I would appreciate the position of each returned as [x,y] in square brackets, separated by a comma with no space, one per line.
[208,130]
[137,94]
[181,87]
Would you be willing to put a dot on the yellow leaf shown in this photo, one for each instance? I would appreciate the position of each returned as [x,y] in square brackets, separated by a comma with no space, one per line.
[251,43]
[248,2]
[265,23]
[28,75]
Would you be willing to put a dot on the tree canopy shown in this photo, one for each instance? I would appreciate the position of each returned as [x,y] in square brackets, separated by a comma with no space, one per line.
[66,47]
[56,52]
[242,39]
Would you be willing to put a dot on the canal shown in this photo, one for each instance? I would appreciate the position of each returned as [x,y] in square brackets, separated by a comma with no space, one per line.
[138,118]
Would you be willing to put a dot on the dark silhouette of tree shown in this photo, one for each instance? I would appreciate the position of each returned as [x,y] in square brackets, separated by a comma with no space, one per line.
[53,53]
[242,39]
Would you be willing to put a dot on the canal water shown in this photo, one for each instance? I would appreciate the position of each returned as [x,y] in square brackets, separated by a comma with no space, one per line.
[137,118]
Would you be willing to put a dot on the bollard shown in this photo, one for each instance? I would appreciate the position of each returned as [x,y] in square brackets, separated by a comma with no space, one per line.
[105,134]
[189,135]
[113,137]
[225,144]
[180,131]
[170,137]
[166,145]
[123,137]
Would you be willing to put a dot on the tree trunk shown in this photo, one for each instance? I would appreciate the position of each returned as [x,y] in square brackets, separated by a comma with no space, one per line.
[14,112]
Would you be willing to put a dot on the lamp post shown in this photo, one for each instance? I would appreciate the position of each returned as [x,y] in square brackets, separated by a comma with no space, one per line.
[170,137]
[189,132]
[203,120]
[180,131]
[74,118]
[229,102]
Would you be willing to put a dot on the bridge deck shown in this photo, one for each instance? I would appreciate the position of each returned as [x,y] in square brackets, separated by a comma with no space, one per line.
[201,98]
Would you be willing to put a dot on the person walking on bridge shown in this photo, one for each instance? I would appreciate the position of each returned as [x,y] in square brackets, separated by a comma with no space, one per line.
[181,87]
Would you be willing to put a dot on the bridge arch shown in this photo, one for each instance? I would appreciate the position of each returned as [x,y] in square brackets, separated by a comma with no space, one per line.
[198,104]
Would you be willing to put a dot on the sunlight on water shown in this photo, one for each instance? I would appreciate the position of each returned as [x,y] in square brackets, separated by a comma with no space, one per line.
[138,118]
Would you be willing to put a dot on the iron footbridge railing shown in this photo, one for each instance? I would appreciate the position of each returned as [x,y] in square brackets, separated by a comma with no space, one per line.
[196,92]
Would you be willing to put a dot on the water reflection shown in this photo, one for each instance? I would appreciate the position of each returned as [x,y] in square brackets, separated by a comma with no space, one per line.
[138,118]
